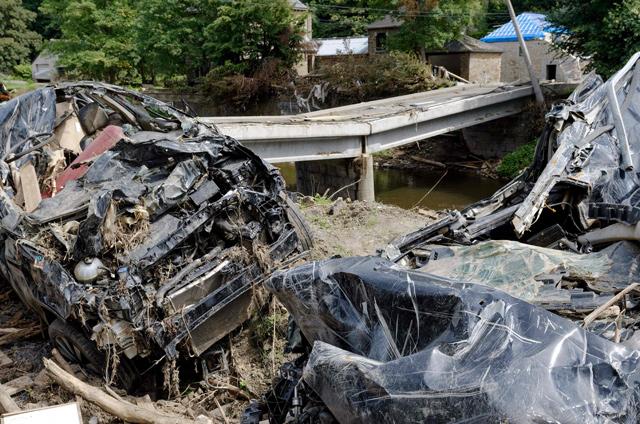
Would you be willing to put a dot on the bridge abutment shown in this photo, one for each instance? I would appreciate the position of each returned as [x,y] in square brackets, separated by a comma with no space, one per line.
[353,178]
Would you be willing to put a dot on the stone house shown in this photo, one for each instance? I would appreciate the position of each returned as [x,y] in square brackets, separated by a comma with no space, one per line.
[470,59]
[548,62]
[378,34]
[306,62]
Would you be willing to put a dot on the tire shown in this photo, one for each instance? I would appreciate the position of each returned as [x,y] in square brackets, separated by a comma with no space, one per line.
[78,349]
[299,224]
[75,346]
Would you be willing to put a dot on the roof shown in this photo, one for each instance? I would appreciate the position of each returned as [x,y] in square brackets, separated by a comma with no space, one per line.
[468,45]
[342,46]
[534,26]
[298,5]
[387,22]
[46,57]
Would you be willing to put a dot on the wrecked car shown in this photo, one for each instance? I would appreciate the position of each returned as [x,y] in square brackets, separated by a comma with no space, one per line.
[523,307]
[136,232]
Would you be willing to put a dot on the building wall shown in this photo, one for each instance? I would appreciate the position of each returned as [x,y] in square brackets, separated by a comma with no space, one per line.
[484,68]
[542,54]
[474,67]
[305,64]
[452,62]
[372,39]
[44,68]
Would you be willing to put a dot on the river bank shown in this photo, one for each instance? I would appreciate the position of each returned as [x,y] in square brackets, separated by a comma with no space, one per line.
[437,154]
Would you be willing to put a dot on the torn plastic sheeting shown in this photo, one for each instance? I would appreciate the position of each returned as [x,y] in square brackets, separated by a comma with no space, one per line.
[399,346]
[89,241]
[589,153]
[175,187]
[26,116]
[523,270]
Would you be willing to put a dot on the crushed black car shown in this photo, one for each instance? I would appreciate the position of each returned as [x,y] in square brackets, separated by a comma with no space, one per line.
[523,307]
[136,232]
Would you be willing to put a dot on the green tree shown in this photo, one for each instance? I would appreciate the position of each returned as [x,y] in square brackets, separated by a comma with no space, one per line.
[245,33]
[430,24]
[606,31]
[171,37]
[42,23]
[344,18]
[97,38]
[17,41]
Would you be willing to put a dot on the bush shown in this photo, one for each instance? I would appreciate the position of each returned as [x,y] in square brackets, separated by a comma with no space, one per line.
[228,84]
[23,71]
[513,163]
[380,76]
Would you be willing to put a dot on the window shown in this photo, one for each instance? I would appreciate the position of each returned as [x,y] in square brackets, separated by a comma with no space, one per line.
[381,41]
[552,72]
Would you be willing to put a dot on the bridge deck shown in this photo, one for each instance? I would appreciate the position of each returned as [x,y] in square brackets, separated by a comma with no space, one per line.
[368,127]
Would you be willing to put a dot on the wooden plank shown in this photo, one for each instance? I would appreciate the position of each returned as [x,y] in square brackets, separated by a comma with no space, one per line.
[4,359]
[18,384]
[30,187]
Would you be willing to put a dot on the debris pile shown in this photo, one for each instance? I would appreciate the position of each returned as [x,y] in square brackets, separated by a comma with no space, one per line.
[522,307]
[136,232]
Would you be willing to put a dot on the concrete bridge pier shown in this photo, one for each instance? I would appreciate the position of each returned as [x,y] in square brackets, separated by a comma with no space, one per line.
[353,178]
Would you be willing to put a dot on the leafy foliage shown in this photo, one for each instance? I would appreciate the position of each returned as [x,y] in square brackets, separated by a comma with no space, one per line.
[97,38]
[129,41]
[607,31]
[513,163]
[430,24]
[170,38]
[42,23]
[22,71]
[380,76]
[17,41]
[344,18]
[247,32]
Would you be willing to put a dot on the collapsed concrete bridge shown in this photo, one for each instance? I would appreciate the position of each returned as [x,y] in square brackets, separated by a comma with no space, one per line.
[324,144]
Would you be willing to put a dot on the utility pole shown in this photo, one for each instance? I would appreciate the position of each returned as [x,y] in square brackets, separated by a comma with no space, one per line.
[525,52]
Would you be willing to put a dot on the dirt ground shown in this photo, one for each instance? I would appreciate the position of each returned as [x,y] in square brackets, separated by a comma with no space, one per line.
[248,359]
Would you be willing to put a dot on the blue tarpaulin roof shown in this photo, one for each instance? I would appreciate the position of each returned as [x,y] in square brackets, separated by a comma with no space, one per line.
[532,25]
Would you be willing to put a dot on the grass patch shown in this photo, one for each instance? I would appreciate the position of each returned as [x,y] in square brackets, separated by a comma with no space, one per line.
[513,163]
[384,154]
[322,200]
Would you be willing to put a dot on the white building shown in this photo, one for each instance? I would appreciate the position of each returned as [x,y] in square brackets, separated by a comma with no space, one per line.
[549,63]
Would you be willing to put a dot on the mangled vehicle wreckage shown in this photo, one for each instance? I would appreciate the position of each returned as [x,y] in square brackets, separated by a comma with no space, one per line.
[132,227]
[523,307]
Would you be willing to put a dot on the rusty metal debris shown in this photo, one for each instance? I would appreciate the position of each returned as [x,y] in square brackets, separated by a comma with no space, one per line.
[523,307]
[131,226]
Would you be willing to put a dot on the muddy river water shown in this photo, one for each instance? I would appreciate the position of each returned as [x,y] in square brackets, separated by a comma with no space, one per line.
[408,188]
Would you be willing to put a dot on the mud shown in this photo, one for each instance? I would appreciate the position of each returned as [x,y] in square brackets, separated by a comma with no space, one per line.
[347,228]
